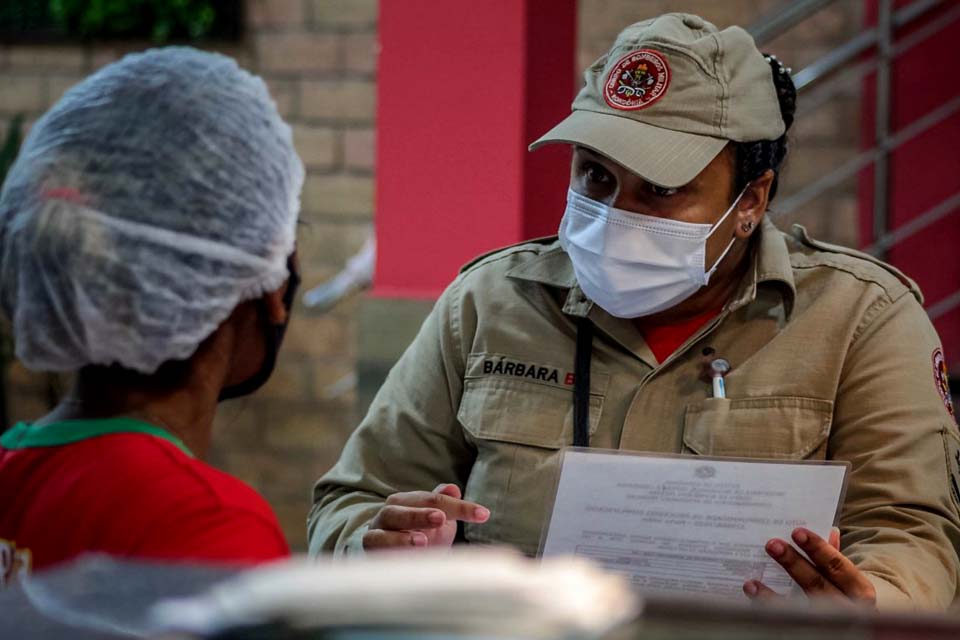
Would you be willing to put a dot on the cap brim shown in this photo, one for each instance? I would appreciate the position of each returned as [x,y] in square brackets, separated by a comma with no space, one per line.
[662,156]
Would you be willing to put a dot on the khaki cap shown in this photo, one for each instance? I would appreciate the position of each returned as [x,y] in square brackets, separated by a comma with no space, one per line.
[669,95]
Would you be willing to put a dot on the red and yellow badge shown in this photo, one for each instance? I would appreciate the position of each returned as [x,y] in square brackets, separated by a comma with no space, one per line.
[637,80]
[942,380]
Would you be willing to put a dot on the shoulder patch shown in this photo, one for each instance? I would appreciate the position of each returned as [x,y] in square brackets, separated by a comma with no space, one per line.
[800,234]
[942,380]
[526,245]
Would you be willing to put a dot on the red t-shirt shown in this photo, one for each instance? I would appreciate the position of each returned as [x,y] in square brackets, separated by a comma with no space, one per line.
[129,494]
[663,340]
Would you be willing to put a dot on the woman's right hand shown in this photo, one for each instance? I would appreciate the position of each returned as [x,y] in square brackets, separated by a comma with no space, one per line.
[422,519]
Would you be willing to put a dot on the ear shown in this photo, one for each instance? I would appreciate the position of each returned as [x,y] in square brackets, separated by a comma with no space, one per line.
[753,205]
[273,301]
[277,312]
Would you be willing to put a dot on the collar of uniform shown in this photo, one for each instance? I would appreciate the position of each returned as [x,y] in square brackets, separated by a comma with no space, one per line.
[553,268]
[771,263]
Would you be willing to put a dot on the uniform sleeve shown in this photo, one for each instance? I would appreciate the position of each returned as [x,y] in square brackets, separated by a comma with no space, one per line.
[900,522]
[410,439]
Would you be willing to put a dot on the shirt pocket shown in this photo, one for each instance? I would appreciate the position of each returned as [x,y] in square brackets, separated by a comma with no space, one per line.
[789,428]
[518,429]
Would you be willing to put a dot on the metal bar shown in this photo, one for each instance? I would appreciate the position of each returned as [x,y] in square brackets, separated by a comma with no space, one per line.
[830,62]
[786,16]
[881,167]
[930,216]
[857,45]
[864,158]
[839,83]
[945,306]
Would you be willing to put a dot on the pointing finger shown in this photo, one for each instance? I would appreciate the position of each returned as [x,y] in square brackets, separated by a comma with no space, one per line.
[457,509]
[397,518]
[454,508]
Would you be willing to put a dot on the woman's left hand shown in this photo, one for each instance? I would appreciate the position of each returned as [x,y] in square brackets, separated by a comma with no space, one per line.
[827,573]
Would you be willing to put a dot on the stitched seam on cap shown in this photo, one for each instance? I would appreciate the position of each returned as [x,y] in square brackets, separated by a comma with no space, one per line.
[718,61]
[657,126]
[674,49]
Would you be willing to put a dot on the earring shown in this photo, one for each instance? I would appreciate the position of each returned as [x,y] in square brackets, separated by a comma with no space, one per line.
[747,226]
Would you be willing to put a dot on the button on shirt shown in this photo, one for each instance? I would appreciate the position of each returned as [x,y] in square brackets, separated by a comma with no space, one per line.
[831,359]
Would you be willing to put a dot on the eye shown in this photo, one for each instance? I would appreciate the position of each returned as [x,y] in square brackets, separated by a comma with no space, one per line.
[595,173]
[662,192]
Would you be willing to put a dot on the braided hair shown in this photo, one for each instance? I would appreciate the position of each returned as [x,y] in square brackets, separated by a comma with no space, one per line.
[754,158]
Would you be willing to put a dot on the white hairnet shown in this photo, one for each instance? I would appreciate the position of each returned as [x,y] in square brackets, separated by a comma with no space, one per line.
[156,196]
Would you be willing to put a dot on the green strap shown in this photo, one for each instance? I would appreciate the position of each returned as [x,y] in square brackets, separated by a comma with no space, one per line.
[25,436]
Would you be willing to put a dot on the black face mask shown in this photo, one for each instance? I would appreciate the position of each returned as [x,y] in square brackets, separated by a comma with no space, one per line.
[272,339]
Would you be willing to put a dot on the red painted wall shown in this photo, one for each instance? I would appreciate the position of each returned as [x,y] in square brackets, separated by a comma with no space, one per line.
[924,171]
[463,88]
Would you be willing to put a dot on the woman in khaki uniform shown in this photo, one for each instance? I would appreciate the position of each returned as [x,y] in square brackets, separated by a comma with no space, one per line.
[664,254]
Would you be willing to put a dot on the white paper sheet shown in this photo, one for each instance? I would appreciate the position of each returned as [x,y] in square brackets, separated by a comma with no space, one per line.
[688,525]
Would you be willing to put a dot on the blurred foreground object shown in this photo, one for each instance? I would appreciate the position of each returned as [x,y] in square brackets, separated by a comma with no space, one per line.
[478,591]
[100,598]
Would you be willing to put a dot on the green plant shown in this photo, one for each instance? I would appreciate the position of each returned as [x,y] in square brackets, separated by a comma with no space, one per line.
[163,19]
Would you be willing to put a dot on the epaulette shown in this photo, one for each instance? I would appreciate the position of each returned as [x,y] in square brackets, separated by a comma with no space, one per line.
[512,248]
[801,235]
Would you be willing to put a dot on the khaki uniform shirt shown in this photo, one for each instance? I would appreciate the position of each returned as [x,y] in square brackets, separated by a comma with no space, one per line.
[832,358]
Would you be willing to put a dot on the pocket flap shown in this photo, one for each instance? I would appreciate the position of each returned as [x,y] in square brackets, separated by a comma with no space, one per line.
[521,412]
[771,427]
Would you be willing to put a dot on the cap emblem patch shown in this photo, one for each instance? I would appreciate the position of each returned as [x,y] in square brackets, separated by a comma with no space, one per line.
[637,80]
[942,380]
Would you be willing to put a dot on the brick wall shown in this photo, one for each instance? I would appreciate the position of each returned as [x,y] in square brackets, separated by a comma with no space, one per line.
[318,57]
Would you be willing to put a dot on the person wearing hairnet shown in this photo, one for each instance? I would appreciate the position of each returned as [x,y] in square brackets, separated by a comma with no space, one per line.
[597,337]
[147,236]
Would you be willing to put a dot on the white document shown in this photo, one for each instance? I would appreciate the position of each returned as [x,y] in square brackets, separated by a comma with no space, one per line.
[689,525]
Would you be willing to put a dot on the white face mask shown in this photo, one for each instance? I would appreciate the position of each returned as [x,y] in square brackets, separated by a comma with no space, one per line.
[635,265]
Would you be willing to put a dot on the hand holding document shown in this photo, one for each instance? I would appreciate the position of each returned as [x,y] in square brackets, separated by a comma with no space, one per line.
[689,525]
